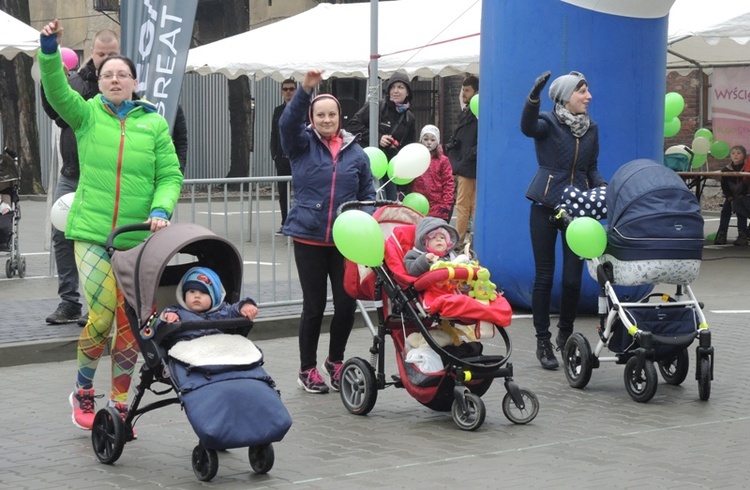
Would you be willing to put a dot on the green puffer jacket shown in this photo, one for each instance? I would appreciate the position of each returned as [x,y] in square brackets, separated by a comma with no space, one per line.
[128,167]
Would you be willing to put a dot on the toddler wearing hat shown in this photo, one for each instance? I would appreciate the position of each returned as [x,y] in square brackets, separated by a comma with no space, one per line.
[436,184]
[433,241]
[200,297]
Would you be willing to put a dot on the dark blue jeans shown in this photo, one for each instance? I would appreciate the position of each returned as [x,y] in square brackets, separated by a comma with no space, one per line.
[544,243]
[726,215]
[315,265]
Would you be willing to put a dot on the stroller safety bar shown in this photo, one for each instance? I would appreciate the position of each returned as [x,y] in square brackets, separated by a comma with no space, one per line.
[109,245]
[234,325]
[349,205]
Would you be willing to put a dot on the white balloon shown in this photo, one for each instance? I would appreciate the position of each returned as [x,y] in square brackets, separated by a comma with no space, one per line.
[412,161]
[58,215]
[701,145]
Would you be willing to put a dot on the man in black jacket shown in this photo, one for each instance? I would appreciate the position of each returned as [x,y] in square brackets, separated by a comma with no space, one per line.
[86,83]
[462,152]
[288,87]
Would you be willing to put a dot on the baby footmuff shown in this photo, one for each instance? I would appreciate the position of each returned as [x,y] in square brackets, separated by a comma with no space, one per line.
[212,368]
[654,236]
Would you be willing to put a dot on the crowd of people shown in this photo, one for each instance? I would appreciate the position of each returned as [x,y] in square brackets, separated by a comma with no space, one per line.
[328,166]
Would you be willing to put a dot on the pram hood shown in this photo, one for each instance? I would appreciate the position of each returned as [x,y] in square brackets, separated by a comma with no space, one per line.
[141,270]
[652,214]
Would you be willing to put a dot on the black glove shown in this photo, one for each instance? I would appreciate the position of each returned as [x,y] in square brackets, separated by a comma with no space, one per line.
[539,84]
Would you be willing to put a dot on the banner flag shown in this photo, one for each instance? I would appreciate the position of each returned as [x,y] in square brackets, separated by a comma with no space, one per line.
[730,104]
[156,36]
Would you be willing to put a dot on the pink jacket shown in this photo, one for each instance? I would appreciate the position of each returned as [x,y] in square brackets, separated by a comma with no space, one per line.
[436,184]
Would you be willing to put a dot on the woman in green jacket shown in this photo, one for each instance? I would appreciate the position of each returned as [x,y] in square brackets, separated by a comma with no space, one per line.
[129,174]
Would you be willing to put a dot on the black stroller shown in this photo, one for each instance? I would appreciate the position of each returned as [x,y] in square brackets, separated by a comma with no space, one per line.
[10,214]
[655,236]
[201,371]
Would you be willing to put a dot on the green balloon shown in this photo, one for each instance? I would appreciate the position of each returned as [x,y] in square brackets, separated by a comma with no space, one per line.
[704,133]
[396,180]
[720,149]
[378,161]
[474,105]
[672,127]
[673,105]
[359,238]
[417,202]
[586,237]
[698,160]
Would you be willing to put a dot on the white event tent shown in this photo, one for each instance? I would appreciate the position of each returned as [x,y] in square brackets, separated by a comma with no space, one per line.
[441,37]
[17,37]
[419,37]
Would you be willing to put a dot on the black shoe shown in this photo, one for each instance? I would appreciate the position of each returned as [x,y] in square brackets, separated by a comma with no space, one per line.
[561,219]
[741,241]
[83,320]
[721,238]
[562,338]
[280,231]
[546,354]
[65,313]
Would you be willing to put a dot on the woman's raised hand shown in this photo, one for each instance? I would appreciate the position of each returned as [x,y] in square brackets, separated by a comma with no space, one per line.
[52,28]
[539,84]
[312,79]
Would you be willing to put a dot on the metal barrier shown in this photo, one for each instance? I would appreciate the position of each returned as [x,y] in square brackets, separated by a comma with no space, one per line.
[246,212]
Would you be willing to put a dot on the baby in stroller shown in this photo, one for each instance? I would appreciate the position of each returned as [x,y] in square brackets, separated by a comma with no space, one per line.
[429,315]
[200,296]
[434,241]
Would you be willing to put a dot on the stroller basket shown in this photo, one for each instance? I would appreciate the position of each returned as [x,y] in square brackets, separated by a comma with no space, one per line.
[673,329]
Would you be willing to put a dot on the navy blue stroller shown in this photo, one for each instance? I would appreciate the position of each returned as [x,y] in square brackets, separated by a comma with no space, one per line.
[218,379]
[654,236]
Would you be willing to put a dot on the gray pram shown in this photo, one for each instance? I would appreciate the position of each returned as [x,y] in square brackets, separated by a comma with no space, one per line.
[10,214]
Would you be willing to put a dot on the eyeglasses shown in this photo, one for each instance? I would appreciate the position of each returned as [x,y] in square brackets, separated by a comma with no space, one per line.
[289,89]
[121,75]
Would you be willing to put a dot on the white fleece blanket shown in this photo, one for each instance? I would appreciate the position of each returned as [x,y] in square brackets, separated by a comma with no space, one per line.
[219,349]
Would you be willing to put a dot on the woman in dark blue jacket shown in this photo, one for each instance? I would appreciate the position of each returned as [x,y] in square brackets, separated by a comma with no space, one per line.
[328,169]
[567,148]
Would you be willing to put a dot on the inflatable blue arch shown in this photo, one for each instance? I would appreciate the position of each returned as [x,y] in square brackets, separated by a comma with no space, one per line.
[622,53]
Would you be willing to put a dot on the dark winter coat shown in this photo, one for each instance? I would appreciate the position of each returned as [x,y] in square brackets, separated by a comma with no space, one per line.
[402,126]
[321,181]
[462,147]
[563,159]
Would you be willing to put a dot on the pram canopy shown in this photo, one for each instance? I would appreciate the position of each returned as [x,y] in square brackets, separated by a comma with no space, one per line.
[652,214]
[141,270]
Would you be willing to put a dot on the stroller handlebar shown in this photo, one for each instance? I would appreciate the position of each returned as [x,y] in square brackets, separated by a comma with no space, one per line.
[349,205]
[109,246]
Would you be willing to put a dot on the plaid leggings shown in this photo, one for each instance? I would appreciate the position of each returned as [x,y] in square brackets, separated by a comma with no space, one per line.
[105,302]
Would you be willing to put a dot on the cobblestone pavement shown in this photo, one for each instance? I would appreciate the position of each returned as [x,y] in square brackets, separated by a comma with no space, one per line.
[592,438]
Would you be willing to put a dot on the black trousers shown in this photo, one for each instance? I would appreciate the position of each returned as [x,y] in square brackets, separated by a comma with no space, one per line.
[315,266]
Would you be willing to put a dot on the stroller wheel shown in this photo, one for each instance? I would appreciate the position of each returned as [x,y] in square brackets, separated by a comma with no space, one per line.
[205,463]
[9,270]
[358,387]
[473,417]
[261,458]
[704,378]
[641,383]
[519,415]
[675,370]
[577,360]
[108,435]
[22,268]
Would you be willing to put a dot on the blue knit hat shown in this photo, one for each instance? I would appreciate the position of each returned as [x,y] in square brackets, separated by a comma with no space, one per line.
[205,280]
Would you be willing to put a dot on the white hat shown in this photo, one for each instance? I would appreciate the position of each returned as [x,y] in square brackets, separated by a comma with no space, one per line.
[430,129]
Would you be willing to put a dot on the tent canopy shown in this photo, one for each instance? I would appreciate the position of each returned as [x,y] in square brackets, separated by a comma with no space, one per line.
[438,37]
[17,37]
[704,34]
[442,38]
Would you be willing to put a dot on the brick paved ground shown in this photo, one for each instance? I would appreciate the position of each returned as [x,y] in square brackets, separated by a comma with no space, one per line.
[592,438]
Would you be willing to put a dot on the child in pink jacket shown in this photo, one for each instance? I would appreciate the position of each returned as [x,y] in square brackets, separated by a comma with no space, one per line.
[436,184]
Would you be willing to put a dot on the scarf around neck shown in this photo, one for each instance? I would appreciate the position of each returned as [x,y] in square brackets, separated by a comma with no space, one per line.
[578,123]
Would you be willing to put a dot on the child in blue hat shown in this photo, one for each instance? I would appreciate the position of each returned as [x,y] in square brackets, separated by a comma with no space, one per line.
[200,296]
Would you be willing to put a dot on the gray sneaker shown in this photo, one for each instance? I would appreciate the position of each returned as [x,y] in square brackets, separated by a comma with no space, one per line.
[65,313]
